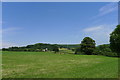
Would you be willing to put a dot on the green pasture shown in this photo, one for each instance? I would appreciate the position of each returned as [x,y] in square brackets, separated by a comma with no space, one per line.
[55,65]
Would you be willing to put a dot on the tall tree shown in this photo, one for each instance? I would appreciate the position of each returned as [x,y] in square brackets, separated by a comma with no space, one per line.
[115,40]
[87,45]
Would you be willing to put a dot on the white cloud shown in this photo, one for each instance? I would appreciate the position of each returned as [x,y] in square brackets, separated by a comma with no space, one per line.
[6,30]
[93,28]
[9,31]
[106,9]
[4,44]
[111,7]
[100,33]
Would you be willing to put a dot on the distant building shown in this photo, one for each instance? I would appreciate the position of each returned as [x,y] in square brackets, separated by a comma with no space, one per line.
[46,49]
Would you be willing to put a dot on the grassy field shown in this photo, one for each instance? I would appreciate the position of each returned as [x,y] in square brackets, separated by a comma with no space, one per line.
[51,65]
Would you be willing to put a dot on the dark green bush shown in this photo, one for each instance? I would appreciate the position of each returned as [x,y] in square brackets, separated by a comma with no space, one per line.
[104,50]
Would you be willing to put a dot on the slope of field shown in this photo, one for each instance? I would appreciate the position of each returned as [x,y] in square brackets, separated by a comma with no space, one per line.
[51,65]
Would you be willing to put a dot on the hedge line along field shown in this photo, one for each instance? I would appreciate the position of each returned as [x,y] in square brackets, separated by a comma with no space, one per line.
[51,65]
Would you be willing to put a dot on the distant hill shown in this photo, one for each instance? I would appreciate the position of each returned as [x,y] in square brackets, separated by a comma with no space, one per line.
[41,47]
[68,45]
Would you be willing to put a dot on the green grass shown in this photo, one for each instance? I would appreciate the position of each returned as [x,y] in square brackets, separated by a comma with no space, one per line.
[66,51]
[51,65]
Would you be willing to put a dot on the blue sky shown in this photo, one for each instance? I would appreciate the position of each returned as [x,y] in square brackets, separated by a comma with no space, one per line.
[62,23]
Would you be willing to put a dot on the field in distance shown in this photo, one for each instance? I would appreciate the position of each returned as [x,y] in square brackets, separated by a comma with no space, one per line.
[51,65]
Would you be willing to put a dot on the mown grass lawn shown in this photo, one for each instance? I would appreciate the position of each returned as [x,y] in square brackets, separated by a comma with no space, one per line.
[51,65]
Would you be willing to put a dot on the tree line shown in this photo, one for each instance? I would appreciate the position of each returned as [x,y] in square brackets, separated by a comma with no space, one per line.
[87,45]
[35,47]
[38,47]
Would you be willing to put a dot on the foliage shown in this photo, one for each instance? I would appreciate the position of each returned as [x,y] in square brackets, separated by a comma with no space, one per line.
[115,40]
[41,46]
[55,48]
[69,46]
[104,50]
[35,47]
[78,51]
[87,45]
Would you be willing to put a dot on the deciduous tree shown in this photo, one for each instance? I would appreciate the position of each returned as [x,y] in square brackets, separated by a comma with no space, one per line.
[115,40]
[87,45]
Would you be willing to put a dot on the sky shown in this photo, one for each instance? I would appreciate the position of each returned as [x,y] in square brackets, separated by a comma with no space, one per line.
[26,23]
